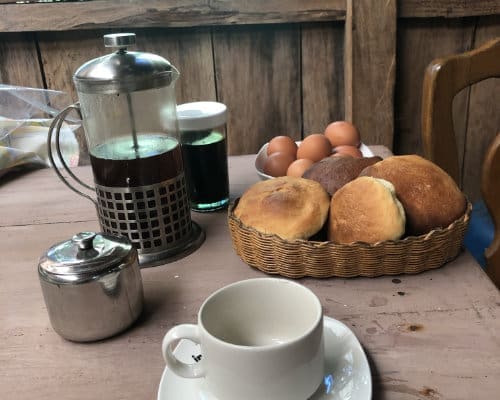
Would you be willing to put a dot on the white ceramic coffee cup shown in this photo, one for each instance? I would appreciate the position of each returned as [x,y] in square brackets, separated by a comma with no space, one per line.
[260,339]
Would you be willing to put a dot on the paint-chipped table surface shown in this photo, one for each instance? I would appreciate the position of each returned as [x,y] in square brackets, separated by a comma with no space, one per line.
[435,335]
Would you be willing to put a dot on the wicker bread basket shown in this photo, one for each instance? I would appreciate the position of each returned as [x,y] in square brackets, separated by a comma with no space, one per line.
[300,258]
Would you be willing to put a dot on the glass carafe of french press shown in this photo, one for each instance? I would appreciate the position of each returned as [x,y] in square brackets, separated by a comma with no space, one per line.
[128,108]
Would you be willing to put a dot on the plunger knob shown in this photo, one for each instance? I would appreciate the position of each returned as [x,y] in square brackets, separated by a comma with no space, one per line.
[120,40]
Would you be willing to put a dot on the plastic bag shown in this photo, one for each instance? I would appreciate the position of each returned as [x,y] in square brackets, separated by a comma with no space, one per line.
[25,117]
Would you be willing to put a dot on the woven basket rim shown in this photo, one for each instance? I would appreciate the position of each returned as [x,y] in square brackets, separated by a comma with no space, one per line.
[423,238]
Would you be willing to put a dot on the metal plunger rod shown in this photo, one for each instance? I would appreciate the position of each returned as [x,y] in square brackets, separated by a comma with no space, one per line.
[132,123]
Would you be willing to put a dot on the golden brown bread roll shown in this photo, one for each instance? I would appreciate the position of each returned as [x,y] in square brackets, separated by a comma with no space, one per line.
[365,210]
[334,172]
[430,197]
[292,208]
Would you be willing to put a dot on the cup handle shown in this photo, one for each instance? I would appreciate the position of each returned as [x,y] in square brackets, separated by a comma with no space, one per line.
[184,331]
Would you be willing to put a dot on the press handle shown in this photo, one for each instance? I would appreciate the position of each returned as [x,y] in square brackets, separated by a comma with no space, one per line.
[57,124]
[184,331]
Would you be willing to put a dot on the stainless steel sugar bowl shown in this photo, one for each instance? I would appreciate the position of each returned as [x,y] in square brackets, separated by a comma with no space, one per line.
[92,286]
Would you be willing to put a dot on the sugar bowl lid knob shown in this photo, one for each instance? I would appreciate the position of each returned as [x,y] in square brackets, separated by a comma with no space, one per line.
[84,240]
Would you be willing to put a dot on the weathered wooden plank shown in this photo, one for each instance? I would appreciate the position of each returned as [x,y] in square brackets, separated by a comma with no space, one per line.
[258,76]
[19,66]
[157,13]
[370,69]
[61,55]
[483,116]
[19,60]
[420,42]
[322,75]
[161,13]
[190,50]
[447,8]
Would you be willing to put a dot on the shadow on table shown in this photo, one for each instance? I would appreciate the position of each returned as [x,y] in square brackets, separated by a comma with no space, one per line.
[156,304]
[378,394]
[15,173]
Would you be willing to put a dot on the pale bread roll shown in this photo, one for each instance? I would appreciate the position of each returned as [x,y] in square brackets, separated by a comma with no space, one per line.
[430,196]
[292,208]
[366,210]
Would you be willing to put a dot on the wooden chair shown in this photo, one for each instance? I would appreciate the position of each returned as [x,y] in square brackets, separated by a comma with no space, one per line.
[490,187]
[444,78]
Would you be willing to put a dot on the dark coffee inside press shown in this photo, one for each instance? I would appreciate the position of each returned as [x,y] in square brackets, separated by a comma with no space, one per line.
[118,163]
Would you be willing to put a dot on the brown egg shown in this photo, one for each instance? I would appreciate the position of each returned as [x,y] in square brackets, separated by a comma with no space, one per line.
[348,150]
[277,164]
[314,147]
[282,144]
[342,133]
[298,167]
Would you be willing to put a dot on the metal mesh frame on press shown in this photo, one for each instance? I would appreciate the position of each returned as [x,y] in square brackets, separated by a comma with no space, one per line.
[154,217]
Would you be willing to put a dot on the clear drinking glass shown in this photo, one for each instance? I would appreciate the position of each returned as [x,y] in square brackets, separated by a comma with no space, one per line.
[202,128]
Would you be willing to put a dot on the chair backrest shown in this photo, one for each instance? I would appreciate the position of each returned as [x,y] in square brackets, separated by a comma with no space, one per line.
[490,188]
[444,78]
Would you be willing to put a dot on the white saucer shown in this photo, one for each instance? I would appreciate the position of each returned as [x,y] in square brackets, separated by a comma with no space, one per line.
[347,370]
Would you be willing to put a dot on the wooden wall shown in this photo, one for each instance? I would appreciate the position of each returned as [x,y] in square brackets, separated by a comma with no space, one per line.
[282,67]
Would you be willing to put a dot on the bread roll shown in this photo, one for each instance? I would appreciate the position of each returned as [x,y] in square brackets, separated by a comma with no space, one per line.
[366,210]
[430,197]
[290,207]
[334,172]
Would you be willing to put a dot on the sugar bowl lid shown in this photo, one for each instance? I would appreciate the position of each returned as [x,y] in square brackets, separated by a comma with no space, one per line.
[123,71]
[85,254]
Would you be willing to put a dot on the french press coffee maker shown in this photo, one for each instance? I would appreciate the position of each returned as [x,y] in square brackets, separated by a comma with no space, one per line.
[128,108]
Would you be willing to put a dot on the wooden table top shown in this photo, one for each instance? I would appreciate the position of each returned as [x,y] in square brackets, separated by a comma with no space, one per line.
[428,336]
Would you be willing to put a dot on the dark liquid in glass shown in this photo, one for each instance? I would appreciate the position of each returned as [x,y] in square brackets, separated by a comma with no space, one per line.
[205,166]
[118,163]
